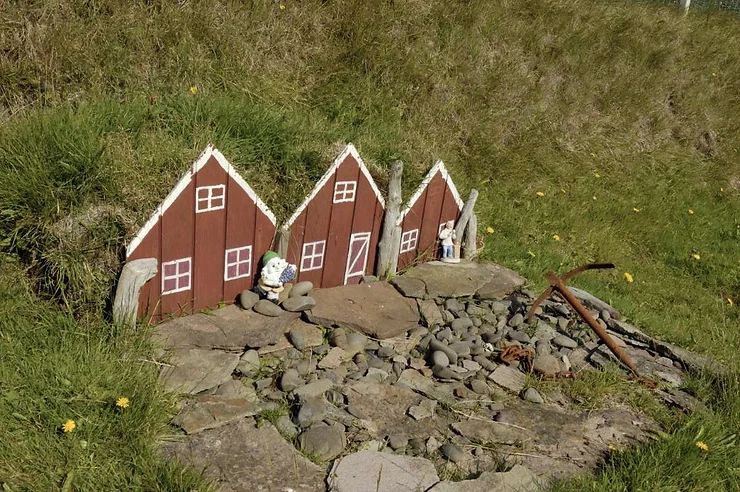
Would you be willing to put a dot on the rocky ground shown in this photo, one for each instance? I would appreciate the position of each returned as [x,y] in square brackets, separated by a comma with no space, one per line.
[420,385]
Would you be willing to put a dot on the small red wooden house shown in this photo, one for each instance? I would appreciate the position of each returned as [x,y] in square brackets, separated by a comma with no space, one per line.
[334,233]
[208,236]
[434,202]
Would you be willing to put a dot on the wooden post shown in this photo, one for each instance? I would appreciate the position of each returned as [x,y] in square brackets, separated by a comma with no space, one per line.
[390,237]
[466,213]
[133,277]
[471,236]
[281,242]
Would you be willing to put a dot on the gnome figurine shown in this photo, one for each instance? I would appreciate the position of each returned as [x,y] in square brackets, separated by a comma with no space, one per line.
[449,242]
[275,273]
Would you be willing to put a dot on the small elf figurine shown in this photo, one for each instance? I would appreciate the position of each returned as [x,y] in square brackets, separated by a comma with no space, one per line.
[448,238]
[275,273]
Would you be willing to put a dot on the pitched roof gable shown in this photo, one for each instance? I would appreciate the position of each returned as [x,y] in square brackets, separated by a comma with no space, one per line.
[210,151]
[348,150]
[439,167]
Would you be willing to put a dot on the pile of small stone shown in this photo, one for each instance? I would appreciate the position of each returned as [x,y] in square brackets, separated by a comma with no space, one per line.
[294,298]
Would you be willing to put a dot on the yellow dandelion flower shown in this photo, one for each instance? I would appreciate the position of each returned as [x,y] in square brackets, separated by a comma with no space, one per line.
[539,193]
[696,256]
[636,210]
[282,7]
[69,426]
[489,230]
[530,253]
[122,402]
[193,89]
[691,212]
[593,155]
[556,237]
[594,197]
[628,277]
[702,445]
[597,175]
[729,301]
[714,74]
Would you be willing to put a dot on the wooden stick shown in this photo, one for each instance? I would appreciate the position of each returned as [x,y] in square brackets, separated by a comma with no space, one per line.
[471,236]
[466,213]
[390,237]
[281,242]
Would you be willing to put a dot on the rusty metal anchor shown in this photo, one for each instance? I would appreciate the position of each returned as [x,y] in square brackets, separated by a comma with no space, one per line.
[558,284]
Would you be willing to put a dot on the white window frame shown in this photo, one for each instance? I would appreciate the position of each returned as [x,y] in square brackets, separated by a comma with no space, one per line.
[313,255]
[177,275]
[238,262]
[409,240]
[346,193]
[208,200]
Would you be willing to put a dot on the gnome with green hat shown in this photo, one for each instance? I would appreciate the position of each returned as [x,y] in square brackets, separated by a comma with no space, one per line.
[275,273]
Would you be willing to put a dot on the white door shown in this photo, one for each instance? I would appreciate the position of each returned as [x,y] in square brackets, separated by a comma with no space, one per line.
[359,246]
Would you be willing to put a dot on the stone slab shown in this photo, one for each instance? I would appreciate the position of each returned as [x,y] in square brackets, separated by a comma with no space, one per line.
[509,378]
[518,479]
[373,471]
[242,457]
[491,431]
[464,279]
[590,301]
[418,382]
[209,412]
[228,328]
[193,370]
[312,337]
[430,312]
[375,309]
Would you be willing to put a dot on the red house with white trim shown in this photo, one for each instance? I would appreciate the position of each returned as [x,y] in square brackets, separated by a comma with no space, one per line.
[434,202]
[334,233]
[208,236]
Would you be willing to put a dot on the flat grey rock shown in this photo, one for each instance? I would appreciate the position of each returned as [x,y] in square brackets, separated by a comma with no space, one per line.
[301,289]
[313,390]
[334,358]
[240,456]
[509,378]
[193,370]
[430,312]
[299,304]
[325,441]
[416,381]
[247,299]
[452,452]
[438,279]
[546,364]
[229,328]
[518,479]
[373,471]
[489,431]
[533,396]
[209,412]
[563,341]
[375,309]
[423,410]
[267,308]
[312,337]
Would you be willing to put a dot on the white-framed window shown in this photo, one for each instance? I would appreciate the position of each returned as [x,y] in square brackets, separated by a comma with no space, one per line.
[409,239]
[344,191]
[209,198]
[176,275]
[238,263]
[313,256]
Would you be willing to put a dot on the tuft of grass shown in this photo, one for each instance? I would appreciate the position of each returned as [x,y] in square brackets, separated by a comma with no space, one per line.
[53,370]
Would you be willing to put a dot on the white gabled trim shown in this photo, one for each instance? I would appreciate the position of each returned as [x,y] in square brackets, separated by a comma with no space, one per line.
[439,167]
[348,150]
[201,161]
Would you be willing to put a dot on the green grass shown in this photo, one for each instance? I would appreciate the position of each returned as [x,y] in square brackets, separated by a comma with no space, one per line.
[99,122]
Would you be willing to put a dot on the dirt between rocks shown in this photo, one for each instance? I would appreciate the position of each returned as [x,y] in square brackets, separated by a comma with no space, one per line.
[411,396]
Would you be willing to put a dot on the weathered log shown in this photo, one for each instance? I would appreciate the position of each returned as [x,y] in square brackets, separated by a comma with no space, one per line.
[390,237]
[133,277]
[281,242]
[466,213]
[471,236]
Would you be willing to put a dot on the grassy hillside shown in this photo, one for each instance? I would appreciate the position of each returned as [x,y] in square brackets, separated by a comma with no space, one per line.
[623,115]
